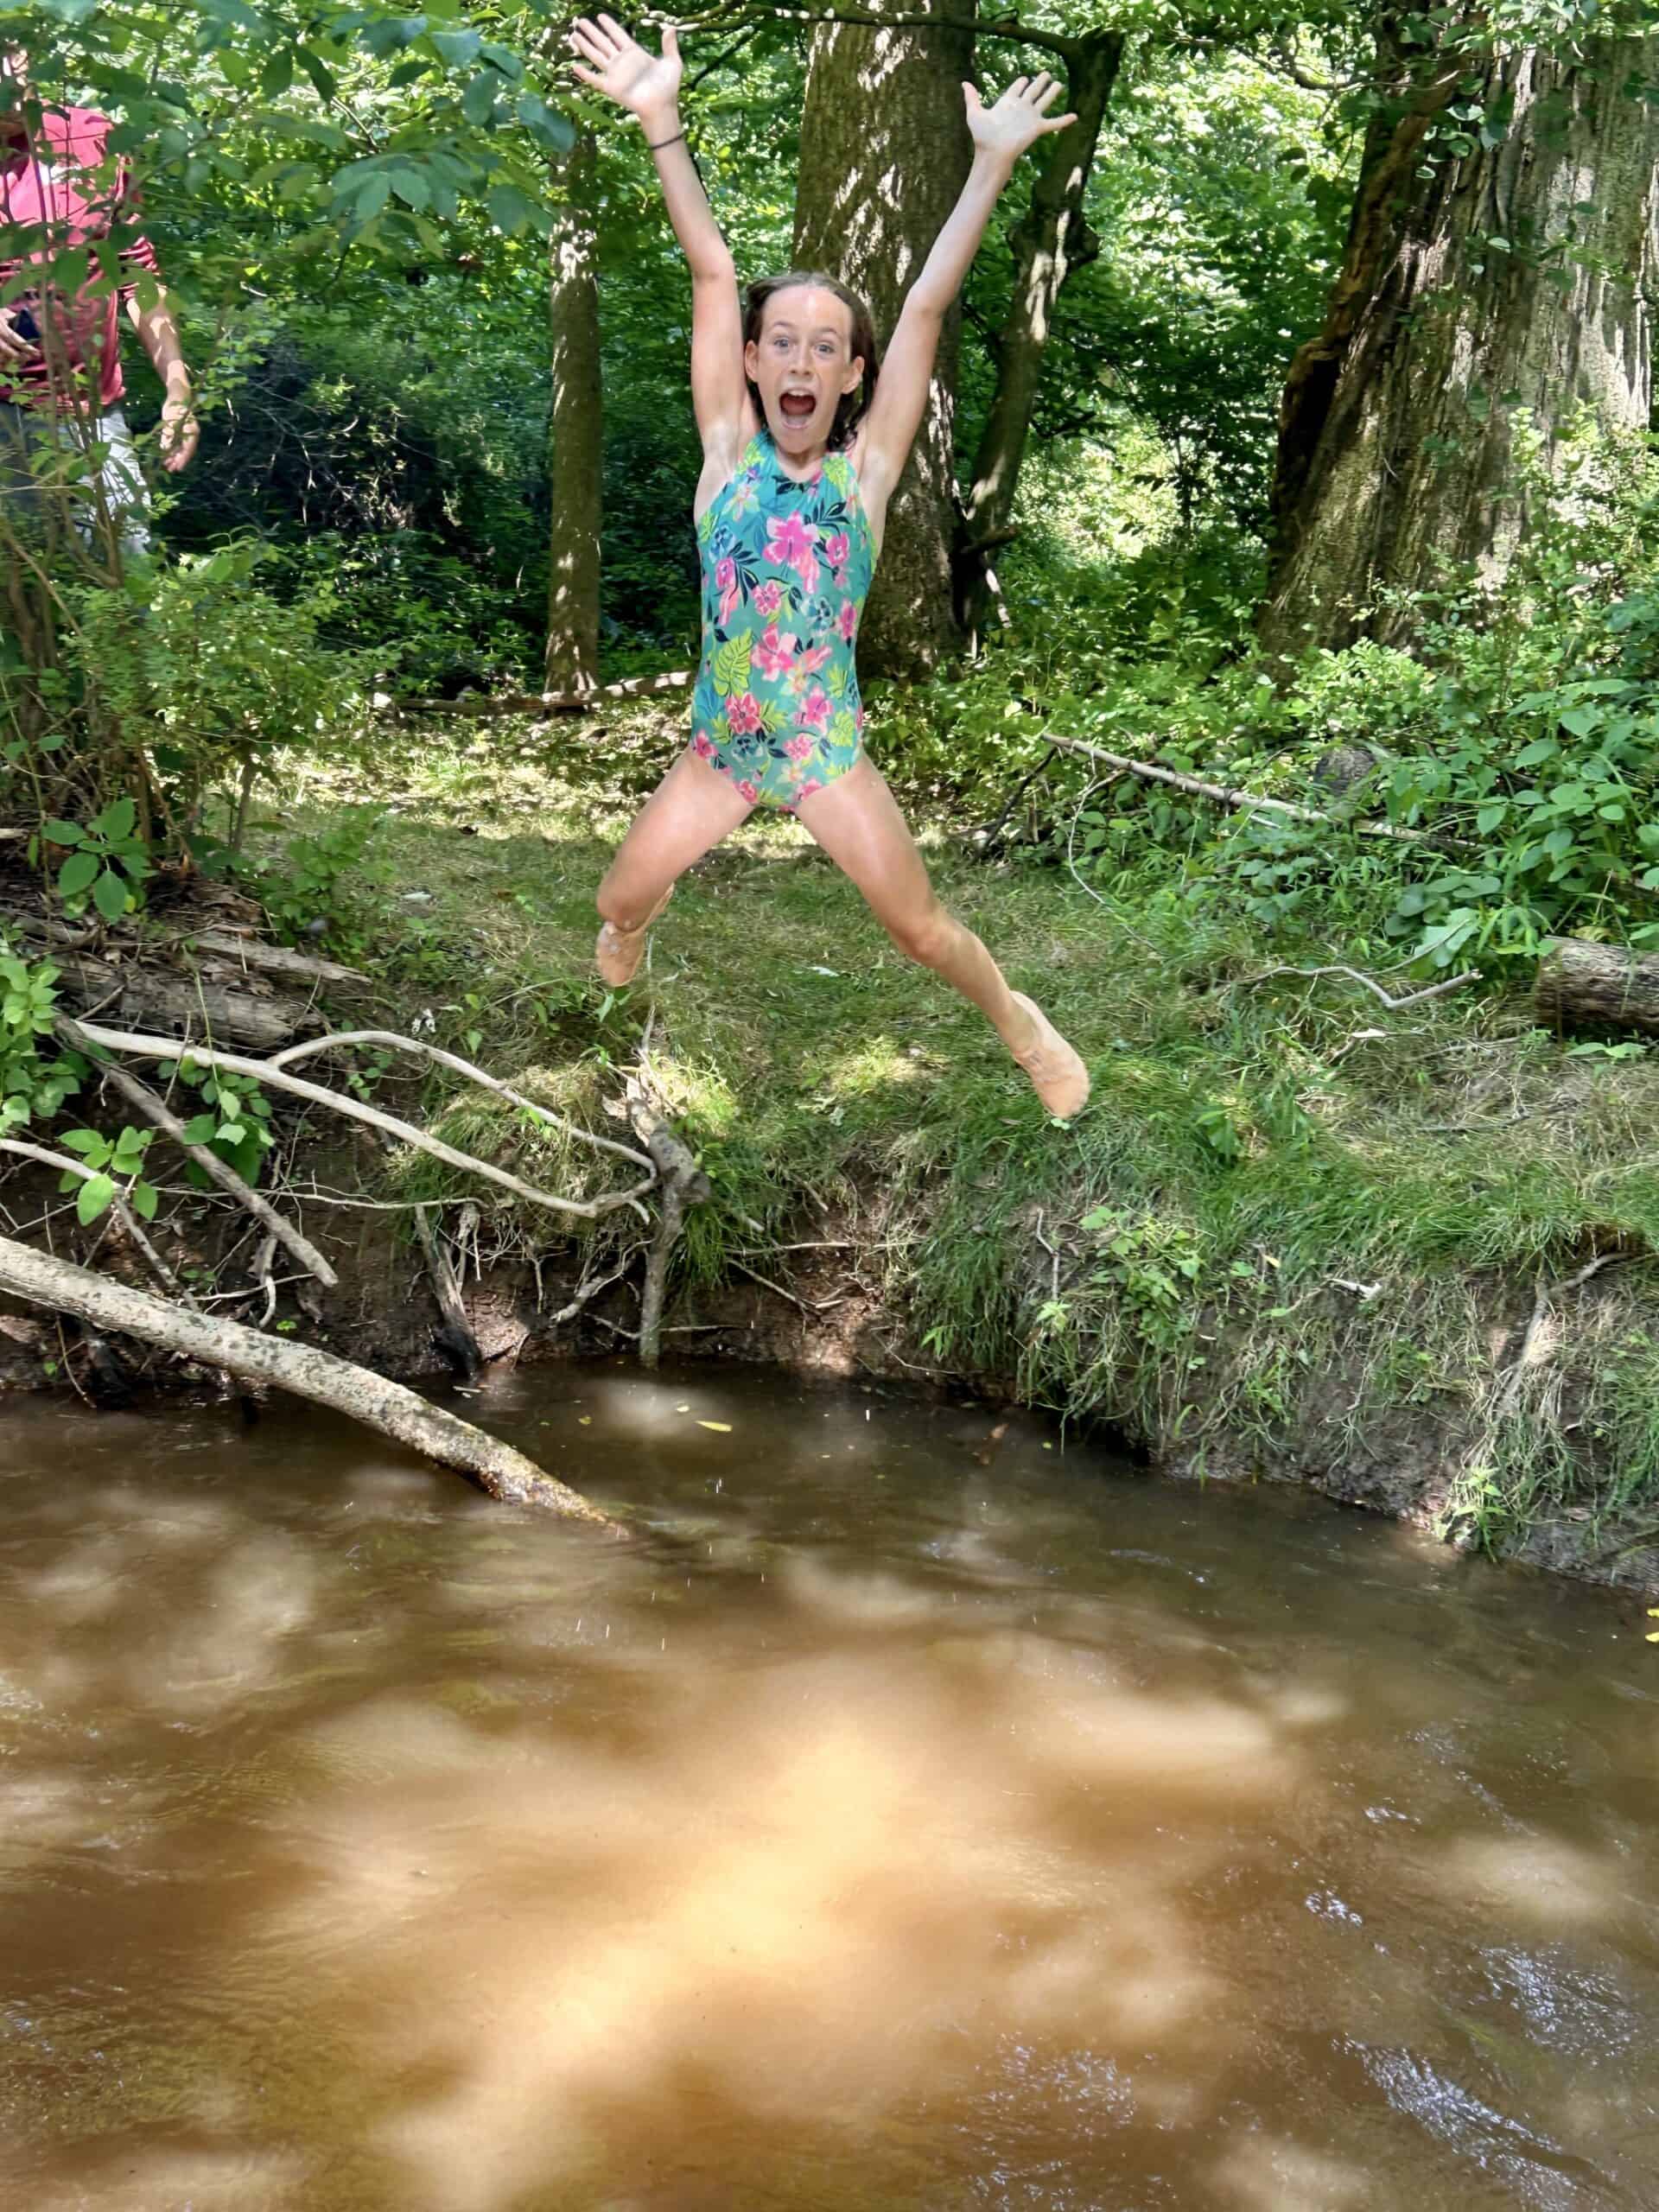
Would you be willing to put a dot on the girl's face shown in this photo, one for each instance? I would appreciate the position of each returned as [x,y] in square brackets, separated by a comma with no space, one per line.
[803,366]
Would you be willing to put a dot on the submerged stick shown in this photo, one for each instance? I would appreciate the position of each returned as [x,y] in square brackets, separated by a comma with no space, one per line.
[321,1376]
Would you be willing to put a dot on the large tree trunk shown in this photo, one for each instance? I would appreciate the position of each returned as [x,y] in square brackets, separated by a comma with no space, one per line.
[574,428]
[1049,243]
[1511,284]
[884,152]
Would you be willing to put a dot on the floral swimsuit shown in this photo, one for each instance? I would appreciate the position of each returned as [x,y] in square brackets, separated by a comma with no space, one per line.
[785,570]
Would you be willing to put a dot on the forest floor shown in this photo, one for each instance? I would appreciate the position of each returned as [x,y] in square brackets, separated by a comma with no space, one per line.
[1408,1255]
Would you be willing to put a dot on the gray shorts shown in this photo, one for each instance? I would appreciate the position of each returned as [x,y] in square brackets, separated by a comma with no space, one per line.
[109,476]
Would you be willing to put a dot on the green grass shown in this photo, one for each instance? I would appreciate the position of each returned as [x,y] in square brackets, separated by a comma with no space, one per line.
[1275,1238]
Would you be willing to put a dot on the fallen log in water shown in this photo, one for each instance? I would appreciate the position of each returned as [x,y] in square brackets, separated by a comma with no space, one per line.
[1584,986]
[325,1379]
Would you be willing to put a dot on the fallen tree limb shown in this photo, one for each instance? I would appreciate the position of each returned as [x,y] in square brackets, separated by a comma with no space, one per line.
[390,1038]
[1584,986]
[124,1213]
[156,1109]
[1370,984]
[307,1372]
[276,959]
[1245,802]
[549,703]
[171,1048]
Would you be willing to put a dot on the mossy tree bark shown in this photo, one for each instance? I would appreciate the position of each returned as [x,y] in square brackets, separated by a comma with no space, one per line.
[1049,243]
[884,152]
[1476,294]
[575,427]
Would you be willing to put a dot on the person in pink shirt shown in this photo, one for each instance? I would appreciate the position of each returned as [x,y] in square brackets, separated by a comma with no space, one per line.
[59,357]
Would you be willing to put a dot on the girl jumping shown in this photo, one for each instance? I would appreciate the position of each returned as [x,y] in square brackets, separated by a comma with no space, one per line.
[802,443]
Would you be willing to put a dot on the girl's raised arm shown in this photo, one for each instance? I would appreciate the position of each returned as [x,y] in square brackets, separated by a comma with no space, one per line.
[650,90]
[1001,135]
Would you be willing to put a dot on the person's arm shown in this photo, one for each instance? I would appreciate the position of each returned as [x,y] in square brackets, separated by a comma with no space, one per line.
[650,90]
[157,331]
[1001,135]
[159,335]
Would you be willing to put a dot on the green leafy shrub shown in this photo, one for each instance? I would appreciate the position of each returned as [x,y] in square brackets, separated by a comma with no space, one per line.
[213,676]
[32,1082]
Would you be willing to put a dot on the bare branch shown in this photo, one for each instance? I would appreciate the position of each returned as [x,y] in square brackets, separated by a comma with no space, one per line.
[390,1038]
[171,1048]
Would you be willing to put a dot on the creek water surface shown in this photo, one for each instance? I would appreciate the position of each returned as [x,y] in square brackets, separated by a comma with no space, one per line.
[878,1830]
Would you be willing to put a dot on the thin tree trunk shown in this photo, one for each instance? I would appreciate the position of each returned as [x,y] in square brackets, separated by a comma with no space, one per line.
[574,428]
[1511,285]
[1049,243]
[884,152]
[41,1280]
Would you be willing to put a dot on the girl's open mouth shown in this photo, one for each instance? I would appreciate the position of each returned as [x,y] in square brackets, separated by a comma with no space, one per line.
[798,406]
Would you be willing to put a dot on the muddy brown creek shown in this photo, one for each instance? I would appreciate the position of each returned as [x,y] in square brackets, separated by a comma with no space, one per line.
[878,1830]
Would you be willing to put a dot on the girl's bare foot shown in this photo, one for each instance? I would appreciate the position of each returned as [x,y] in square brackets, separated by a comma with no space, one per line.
[1057,1072]
[617,953]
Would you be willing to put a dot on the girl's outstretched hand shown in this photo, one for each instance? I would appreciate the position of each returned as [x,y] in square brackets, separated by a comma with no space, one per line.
[621,68]
[1019,117]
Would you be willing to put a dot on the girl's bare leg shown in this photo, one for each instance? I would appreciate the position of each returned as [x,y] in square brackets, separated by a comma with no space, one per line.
[686,815]
[857,822]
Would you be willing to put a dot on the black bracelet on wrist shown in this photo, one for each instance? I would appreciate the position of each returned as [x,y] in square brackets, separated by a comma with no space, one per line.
[661,142]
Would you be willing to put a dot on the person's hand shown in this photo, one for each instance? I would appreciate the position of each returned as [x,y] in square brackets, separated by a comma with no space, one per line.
[1017,120]
[14,347]
[181,435]
[623,72]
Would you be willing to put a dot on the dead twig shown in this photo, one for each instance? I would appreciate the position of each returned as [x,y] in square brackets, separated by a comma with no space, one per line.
[807,1306]
[1370,983]
[1245,802]
[1546,1295]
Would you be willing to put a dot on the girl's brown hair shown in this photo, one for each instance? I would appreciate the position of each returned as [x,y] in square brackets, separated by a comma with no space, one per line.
[855,403]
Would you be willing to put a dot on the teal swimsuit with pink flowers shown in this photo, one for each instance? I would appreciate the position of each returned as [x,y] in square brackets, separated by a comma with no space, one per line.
[785,570]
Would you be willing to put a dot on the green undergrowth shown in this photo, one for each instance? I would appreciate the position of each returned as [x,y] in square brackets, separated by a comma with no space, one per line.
[1292,1229]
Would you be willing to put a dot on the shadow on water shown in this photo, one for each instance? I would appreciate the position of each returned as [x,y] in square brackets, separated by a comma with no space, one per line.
[880,1830]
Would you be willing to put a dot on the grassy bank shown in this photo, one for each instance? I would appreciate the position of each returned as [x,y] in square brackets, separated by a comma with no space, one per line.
[1293,1229]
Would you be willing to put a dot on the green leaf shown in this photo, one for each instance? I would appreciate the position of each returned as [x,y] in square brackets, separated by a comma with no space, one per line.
[62,833]
[371,196]
[540,121]
[478,101]
[109,896]
[457,47]
[510,210]
[145,1199]
[201,1128]
[77,873]
[93,1199]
